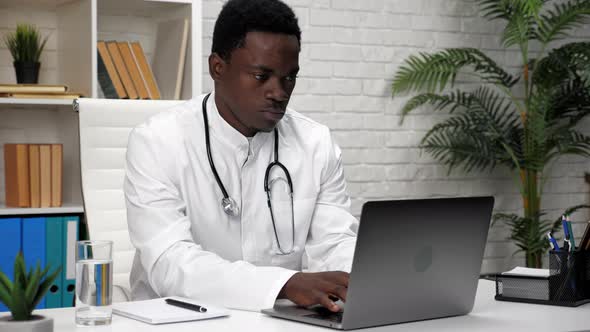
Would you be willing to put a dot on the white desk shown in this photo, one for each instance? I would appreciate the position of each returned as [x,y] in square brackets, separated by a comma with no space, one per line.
[487,315]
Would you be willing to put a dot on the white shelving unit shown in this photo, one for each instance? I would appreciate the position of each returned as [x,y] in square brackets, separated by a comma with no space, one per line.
[70,58]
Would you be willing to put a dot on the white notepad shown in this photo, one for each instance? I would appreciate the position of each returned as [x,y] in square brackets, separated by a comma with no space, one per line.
[157,311]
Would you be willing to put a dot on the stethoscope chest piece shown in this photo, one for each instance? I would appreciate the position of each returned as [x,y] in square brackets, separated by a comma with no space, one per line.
[230,206]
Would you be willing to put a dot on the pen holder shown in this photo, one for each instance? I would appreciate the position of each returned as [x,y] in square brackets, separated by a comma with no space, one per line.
[568,283]
[569,276]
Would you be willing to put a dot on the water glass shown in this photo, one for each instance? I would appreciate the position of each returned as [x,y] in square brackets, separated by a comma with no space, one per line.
[94,282]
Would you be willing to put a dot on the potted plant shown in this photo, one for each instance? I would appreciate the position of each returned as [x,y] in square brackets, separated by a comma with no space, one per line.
[26,46]
[22,296]
[522,122]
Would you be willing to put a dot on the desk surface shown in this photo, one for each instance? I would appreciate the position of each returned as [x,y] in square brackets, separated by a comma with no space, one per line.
[487,315]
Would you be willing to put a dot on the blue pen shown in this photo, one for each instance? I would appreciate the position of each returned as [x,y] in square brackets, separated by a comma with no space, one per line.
[566,234]
[553,242]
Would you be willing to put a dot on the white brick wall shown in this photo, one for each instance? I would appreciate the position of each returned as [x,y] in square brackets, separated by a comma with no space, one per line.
[350,52]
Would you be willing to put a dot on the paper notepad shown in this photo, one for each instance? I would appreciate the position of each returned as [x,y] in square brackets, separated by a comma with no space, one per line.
[527,272]
[157,311]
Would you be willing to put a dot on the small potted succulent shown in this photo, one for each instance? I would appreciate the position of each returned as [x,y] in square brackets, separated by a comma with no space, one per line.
[26,45]
[22,295]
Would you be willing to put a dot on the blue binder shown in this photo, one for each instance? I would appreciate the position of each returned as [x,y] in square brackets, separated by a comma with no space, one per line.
[34,246]
[10,228]
[54,255]
[70,231]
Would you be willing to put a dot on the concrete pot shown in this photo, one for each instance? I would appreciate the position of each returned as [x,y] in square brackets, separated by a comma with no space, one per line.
[36,324]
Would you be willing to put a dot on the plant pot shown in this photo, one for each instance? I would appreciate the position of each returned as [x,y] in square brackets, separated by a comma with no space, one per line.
[36,324]
[27,72]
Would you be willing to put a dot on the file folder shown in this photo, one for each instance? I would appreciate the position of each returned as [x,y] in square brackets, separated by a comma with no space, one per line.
[70,232]
[10,228]
[33,244]
[54,255]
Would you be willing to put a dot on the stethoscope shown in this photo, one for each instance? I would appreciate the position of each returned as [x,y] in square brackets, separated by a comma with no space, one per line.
[230,207]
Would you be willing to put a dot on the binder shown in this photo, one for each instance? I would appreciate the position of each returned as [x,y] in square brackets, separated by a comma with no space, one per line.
[34,175]
[54,244]
[70,232]
[33,244]
[10,228]
[45,174]
[16,173]
[56,174]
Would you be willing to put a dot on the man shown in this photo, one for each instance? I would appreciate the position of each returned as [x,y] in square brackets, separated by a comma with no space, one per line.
[183,162]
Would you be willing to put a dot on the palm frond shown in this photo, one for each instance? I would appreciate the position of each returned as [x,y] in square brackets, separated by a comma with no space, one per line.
[518,31]
[555,23]
[568,62]
[451,101]
[432,72]
[505,9]
[476,138]
[570,142]
[570,103]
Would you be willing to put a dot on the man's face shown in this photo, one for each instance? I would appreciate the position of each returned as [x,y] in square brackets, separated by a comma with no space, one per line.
[254,87]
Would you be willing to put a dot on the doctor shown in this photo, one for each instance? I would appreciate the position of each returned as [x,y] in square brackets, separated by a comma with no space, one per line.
[230,193]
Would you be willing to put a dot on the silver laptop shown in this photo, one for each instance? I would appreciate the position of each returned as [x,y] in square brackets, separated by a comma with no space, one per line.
[414,260]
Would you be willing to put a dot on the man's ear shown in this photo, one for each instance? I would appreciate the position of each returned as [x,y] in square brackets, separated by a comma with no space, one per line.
[217,66]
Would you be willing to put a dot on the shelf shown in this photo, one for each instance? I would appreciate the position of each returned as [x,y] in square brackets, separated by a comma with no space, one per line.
[66,208]
[34,101]
[47,4]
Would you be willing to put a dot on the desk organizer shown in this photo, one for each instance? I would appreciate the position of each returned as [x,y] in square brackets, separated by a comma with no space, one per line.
[568,283]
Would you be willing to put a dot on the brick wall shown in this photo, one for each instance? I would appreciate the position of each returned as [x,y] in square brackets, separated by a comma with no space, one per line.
[350,52]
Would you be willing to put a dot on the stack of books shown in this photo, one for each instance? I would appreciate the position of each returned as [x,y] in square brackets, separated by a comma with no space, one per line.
[36,91]
[125,73]
[33,174]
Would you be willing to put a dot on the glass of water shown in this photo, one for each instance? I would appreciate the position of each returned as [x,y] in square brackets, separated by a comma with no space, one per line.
[94,282]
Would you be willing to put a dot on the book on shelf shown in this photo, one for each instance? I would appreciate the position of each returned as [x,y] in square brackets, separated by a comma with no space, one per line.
[133,69]
[34,175]
[145,70]
[56,174]
[108,78]
[170,55]
[16,174]
[32,88]
[65,95]
[45,174]
[122,69]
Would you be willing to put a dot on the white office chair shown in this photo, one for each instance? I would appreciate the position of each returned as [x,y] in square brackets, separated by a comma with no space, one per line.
[105,125]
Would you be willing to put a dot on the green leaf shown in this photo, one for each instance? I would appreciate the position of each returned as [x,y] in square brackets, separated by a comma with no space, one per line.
[45,286]
[563,64]
[432,72]
[554,24]
[20,308]
[450,102]
[5,296]
[33,284]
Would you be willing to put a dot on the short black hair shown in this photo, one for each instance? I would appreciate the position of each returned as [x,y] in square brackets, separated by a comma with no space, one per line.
[238,17]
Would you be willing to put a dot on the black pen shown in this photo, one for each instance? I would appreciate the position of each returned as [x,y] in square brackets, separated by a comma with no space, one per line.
[189,306]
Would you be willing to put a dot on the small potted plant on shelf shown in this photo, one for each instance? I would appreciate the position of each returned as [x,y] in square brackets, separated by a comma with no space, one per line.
[26,45]
[22,295]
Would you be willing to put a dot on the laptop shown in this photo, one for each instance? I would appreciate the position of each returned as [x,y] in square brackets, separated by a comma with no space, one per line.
[414,260]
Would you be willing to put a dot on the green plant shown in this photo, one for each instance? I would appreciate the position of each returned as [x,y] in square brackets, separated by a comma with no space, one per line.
[495,125]
[23,295]
[25,44]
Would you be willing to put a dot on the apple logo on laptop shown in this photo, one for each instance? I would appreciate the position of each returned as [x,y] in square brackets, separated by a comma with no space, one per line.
[423,260]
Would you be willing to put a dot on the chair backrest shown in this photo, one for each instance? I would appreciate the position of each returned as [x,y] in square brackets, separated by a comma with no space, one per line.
[105,125]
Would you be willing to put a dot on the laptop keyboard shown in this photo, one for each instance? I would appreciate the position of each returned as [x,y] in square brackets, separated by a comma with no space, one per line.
[325,314]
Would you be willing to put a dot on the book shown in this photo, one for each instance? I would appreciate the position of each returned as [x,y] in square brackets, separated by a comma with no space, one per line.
[157,311]
[122,69]
[32,88]
[45,174]
[66,95]
[169,56]
[108,78]
[11,230]
[34,176]
[16,173]
[145,70]
[56,174]
[526,283]
[133,69]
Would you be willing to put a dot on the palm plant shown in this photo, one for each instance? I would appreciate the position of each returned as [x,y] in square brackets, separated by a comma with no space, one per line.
[495,125]
[26,291]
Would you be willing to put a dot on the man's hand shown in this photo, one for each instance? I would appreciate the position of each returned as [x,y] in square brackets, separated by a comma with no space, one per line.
[307,289]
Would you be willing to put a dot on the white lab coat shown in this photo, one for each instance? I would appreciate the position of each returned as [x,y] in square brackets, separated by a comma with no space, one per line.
[186,244]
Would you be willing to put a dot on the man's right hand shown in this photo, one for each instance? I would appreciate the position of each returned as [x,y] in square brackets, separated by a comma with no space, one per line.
[307,289]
